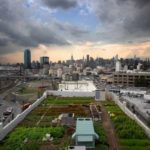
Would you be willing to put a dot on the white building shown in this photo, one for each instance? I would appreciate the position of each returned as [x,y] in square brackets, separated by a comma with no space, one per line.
[81,86]
[118,66]
[139,66]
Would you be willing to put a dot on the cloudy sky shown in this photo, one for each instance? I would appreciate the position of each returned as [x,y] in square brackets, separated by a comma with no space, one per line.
[60,28]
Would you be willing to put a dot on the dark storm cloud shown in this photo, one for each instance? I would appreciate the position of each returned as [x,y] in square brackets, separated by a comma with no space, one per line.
[4,41]
[73,31]
[141,3]
[63,4]
[123,20]
[141,20]
[43,34]
[120,21]
[21,30]
[138,3]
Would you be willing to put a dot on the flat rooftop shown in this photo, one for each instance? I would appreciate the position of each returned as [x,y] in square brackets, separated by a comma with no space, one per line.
[82,86]
[140,104]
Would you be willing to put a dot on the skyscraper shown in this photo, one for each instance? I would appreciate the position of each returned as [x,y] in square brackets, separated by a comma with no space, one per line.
[87,58]
[72,58]
[44,60]
[27,59]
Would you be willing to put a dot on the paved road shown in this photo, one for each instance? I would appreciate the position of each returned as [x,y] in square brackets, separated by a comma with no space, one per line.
[4,104]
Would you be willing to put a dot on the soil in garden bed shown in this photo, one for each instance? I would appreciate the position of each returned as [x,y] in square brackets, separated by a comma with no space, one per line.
[49,146]
[78,110]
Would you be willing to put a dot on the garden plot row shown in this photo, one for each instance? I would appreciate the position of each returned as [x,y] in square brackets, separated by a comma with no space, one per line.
[131,135]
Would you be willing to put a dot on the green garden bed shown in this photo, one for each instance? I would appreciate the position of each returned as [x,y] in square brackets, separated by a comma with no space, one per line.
[102,142]
[33,136]
[68,100]
[131,135]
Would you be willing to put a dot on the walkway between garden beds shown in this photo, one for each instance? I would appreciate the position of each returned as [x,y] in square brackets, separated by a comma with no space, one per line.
[111,135]
[43,115]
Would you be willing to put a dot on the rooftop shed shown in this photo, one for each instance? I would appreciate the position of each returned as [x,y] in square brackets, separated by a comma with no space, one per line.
[85,134]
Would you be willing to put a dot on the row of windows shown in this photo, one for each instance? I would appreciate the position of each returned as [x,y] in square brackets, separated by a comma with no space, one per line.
[132,76]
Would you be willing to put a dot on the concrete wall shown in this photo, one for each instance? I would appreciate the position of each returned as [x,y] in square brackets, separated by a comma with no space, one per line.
[71,94]
[123,107]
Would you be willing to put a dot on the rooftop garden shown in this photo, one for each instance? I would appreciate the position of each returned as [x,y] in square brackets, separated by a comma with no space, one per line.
[37,132]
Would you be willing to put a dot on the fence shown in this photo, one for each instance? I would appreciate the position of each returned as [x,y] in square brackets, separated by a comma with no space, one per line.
[123,107]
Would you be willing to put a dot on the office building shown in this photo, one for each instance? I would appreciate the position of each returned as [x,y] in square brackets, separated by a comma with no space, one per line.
[27,59]
[87,58]
[44,60]
[132,79]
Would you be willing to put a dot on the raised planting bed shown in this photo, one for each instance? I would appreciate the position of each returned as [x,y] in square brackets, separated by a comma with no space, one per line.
[57,110]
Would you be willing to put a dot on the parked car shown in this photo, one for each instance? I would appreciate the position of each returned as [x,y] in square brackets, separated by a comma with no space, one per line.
[8,111]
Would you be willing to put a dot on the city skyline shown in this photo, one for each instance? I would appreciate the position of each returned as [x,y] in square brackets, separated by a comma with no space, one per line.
[60,28]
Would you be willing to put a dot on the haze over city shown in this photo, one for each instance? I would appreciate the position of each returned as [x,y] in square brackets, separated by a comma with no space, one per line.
[61,28]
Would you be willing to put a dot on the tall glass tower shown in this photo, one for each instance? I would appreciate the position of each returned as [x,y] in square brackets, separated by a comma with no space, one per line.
[27,59]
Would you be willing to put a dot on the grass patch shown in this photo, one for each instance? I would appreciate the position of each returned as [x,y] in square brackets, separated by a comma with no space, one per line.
[52,100]
[135,142]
